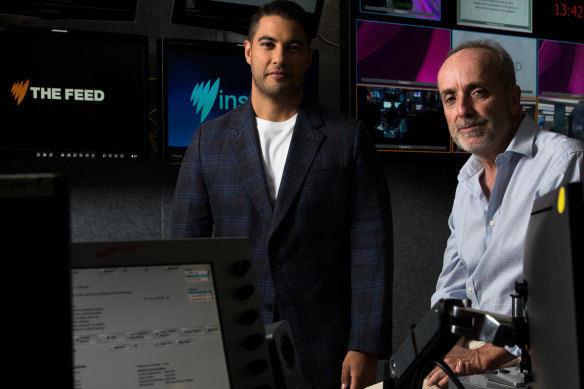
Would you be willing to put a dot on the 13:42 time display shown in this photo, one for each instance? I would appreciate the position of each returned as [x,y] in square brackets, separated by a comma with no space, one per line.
[575,11]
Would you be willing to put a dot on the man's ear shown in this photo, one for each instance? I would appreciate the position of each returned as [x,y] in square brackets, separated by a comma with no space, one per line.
[515,99]
[247,50]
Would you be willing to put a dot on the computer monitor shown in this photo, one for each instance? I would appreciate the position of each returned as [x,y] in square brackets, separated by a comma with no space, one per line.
[72,95]
[233,15]
[202,80]
[167,313]
[553,269]
[560,67]
[72,9]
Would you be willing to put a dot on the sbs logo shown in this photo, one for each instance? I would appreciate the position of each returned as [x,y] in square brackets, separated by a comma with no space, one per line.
[19,90]
[204,95]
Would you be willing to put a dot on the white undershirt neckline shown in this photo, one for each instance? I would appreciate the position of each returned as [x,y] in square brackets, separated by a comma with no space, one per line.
[274,142]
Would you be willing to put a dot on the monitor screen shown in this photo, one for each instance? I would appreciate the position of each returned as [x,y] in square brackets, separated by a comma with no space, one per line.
[522,50]
[418,9]
[512,15]
[72,9]
[166,314]
[560,67]
[552,269]
[232,15]
[389,54]
[200,81]
[73,95]
[401,119]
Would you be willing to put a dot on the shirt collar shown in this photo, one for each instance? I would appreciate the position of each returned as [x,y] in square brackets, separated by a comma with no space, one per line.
[524,139]
[522,143]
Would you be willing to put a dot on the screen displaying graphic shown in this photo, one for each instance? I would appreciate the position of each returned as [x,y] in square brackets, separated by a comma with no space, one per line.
[202,80]
[419,9]
[510,15]
[402,119]
[232,15]
[150,326]
[522,50]
[389,54]
[73,95]
[562,115]
[201,86]
[560,69]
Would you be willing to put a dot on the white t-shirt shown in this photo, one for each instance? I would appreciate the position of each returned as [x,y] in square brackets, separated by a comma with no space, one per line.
[275,141]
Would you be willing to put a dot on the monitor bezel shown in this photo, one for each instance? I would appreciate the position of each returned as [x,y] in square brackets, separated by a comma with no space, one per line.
[138,134]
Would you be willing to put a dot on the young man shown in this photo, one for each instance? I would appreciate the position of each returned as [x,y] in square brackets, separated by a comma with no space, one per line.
[307,189]
[512,163]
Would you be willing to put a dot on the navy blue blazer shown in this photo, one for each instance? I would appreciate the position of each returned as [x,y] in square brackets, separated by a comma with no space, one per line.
[323,253]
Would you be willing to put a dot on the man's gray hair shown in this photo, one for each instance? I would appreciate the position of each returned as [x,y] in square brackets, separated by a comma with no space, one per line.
[507,70]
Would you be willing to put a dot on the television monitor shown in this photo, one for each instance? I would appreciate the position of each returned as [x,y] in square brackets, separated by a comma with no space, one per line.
[71,94]
[417,9]
[500,15]
[560,67]
[553,269]
[401,119]
[523,51]
[562,115]
[232,15]
[167,314]
[123,10]
[202,80]
[390,54]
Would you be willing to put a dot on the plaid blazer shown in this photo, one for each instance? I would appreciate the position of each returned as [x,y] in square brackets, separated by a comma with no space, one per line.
[323,253]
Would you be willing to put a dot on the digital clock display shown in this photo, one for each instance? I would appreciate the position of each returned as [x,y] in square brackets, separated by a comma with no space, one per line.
[569,10]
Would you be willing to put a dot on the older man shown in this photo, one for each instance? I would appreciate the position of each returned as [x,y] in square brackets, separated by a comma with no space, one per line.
[512,164]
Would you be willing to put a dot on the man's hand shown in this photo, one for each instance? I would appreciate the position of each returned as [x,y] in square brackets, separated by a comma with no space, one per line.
[359,370]
[465,362]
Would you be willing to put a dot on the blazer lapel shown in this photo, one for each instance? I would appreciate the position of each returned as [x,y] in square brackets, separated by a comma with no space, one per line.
[306,141]
[248,157]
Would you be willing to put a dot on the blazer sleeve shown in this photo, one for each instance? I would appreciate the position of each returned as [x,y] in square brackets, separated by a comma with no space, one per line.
[191,213]
[371,241]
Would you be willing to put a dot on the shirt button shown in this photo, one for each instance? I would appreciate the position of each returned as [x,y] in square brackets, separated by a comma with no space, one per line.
[492,223]
[269,307]
[469,289]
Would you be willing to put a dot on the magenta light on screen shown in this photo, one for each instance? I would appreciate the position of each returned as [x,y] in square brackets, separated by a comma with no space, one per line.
[399,55]
[561,68]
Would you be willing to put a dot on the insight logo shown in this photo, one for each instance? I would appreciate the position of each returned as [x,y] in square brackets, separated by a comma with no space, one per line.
[204,96]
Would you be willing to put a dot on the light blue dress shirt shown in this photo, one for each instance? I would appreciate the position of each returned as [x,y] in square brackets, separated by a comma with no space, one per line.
[484,254]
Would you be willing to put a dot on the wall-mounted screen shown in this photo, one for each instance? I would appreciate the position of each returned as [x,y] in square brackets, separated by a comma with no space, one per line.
[560,69]
[510,15]
[401,119]
[384,55]
[232,15]
[200,81]
[72,9]
[418,9]
[73,95]
[523,51]
[389,54]
[561,115]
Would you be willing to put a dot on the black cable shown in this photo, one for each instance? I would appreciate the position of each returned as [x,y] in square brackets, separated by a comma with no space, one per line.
[449,373]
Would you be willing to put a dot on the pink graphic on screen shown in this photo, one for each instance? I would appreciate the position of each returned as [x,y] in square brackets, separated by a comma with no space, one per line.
[394,54]
[561,68]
